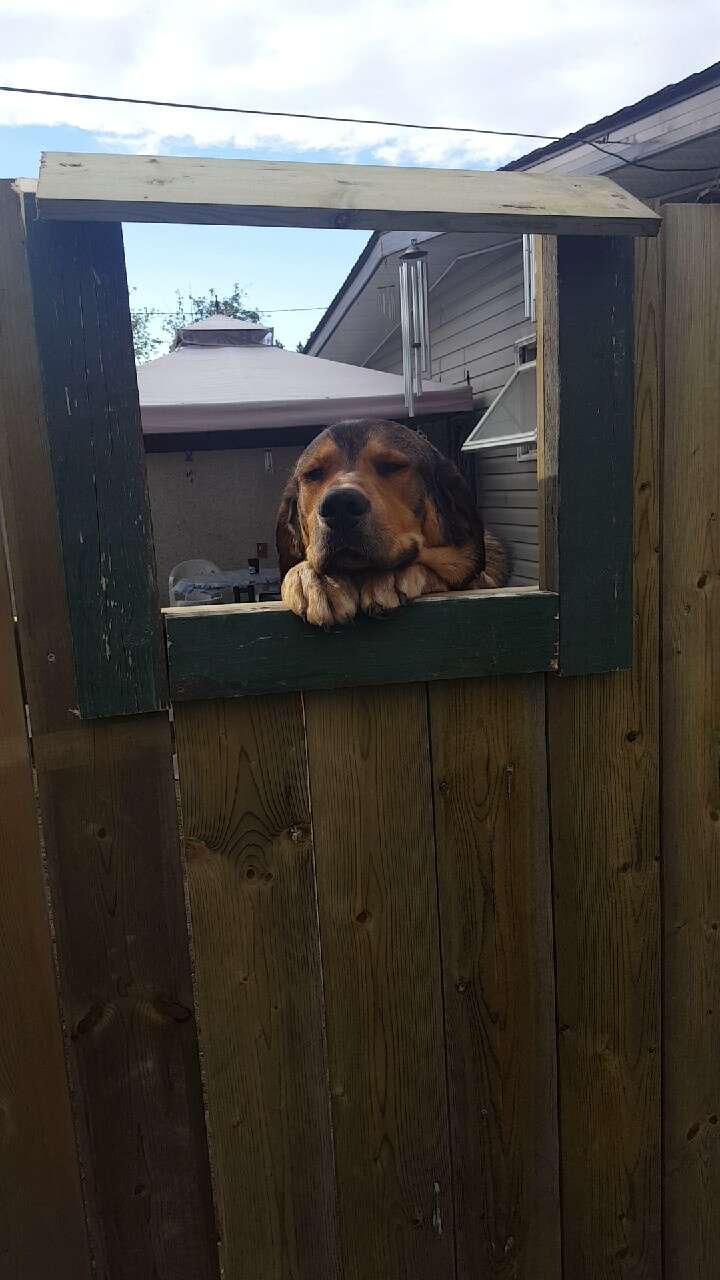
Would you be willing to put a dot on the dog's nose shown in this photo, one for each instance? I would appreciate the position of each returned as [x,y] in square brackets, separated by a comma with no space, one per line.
[343,505]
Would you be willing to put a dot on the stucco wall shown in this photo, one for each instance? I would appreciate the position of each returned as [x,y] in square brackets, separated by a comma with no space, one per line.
[215,505]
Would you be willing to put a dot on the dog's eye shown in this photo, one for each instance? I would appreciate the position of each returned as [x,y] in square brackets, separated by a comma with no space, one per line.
[315,473]
[387,468]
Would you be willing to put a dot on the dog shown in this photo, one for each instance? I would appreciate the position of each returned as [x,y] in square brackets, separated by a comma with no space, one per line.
[374,516]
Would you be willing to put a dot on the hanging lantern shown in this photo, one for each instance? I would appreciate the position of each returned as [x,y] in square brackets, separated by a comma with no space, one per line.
[414,323]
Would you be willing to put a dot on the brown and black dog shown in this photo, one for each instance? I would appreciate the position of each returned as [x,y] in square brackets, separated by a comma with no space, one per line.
[374,516]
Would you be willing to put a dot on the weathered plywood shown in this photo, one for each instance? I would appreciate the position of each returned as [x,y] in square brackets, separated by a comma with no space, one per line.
[490,786]
[603,744]
[229,651]
[251,887]
[92,420]
[371,797]
[691,742]
[373,197]
[585,446]
[108,804]
[42,1220]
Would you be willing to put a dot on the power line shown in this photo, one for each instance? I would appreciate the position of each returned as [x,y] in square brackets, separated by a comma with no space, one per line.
[262,311]
[654,168]
[287,115]
[391,124]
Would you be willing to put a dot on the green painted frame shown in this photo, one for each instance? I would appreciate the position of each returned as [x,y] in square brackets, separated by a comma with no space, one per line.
[580,620]
[231,651]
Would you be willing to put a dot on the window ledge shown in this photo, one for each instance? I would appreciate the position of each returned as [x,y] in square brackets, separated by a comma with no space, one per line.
[230,651]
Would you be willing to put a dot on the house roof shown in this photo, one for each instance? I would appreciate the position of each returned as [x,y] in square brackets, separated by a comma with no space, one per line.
[693,142]
[676,92]
[221,385]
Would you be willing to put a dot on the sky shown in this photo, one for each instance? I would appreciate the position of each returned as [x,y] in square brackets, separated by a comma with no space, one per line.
[535,67]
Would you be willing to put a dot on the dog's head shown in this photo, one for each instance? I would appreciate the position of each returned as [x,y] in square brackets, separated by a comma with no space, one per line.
[370,494]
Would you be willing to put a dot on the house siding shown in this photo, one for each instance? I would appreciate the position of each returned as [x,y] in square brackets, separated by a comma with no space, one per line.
[476,316]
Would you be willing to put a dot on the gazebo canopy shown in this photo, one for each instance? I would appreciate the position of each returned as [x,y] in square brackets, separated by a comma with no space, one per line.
[223,375]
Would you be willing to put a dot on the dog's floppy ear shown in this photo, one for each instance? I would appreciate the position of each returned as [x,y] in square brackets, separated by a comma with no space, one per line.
[287,531]
[458,515]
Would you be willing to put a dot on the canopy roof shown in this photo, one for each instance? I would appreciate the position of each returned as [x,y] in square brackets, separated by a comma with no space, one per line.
[222,375]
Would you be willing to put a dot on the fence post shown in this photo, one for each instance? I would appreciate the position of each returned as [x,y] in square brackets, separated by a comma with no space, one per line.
[109,811]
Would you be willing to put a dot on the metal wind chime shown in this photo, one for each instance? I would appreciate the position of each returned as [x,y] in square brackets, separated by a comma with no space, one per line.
[414,323]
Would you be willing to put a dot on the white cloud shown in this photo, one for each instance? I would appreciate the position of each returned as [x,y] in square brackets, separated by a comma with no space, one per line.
[550,66]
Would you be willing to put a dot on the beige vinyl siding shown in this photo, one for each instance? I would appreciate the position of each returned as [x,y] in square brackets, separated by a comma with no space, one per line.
[507,497]
[476,317]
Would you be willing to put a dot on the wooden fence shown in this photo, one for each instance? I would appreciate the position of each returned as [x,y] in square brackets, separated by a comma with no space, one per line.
[433,992]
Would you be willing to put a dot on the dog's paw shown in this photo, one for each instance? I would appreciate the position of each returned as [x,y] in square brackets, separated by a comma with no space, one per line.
[322,600]
[383,592]
[417,580]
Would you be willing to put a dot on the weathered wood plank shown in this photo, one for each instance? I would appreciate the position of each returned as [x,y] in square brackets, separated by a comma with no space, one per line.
[547,372]
[251,886]
[585,447]
[490,786]
[92,419]
[603,746]
[108,804]
[374,197]
[42,1219]
[228,651]
[372,818]
[691,742]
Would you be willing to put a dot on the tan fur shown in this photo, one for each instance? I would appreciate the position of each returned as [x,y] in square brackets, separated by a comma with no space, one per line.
[324,601]
[452,564]
[410,530]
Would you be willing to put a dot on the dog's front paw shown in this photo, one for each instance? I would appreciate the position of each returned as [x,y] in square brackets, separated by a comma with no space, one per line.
[322,600]
[383,592]
[417,580]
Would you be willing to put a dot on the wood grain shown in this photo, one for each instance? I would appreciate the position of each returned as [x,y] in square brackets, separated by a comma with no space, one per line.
[373,197]
[585,446]
[691,742]
[108,805]
[490,787]
[251,886]
[547,372]
[604,784]
[92,419]
[377,892]
[42,1218]
[229,651]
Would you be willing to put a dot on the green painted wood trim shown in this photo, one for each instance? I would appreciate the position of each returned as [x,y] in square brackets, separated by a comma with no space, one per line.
[92,418]
[234,650]
[595,452]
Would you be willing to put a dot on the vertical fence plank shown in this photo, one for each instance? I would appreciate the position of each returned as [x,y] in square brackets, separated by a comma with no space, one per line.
[92,416]
[371,797]
[691,742]
[585,445]
[251,886]
[42,1219]
[490,780]
[108,804]
[603,751]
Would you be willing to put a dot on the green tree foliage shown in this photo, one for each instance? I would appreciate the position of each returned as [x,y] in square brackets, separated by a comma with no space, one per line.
[144,339]
[187,311]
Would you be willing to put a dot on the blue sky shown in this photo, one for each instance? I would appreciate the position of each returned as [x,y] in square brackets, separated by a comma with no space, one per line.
[546,65]
[279,267]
